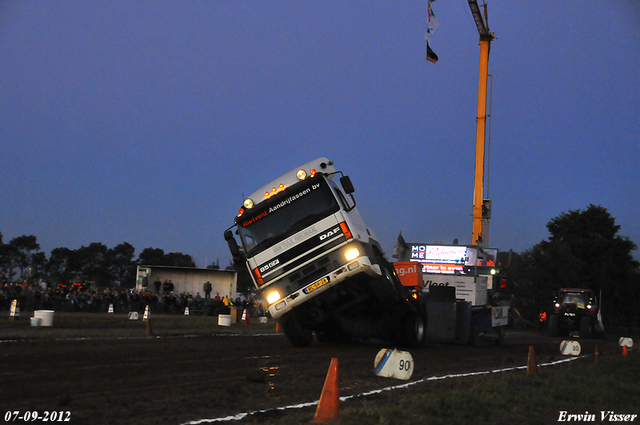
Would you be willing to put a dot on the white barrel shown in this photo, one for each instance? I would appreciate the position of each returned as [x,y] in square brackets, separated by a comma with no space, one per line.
[45,316]
[224,320]
[35,321]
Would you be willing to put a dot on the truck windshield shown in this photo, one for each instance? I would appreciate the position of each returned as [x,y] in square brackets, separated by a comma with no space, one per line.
[574,298]
[290,211]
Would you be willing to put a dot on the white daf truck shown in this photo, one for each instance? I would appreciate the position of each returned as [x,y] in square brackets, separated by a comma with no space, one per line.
[317,264]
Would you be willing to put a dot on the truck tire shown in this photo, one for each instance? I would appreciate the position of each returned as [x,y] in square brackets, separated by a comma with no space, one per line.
[585,327]
[554,325]
[299,335]
[414,330]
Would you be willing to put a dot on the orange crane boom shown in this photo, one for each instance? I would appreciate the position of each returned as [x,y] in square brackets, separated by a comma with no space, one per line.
[481,209]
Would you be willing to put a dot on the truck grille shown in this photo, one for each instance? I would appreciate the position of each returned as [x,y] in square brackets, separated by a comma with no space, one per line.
[307,273]
[310,273]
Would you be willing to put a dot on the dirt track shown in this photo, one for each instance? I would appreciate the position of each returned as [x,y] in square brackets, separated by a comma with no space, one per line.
[173,380]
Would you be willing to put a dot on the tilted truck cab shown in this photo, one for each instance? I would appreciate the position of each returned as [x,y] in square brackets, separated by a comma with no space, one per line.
[317,264]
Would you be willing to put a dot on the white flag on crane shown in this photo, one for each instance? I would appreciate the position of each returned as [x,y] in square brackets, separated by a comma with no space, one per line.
[432,24]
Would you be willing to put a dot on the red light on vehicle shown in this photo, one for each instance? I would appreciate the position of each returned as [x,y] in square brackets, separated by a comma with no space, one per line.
[503,283]
[345,230]
[312,173]
[258,276]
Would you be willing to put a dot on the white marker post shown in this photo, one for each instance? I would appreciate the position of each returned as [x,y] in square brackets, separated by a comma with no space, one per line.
[392,363]
[625,342]
[570,348]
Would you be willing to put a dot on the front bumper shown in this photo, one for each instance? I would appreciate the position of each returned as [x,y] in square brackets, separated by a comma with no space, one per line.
[326,282]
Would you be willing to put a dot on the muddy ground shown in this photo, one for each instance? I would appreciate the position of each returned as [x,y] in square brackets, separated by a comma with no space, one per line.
[174,380]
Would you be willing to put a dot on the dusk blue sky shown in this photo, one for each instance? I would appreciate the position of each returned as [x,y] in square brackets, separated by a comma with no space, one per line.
[146,121]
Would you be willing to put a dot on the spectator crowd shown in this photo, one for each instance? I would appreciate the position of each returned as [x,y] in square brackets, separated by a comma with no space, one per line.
[41,295]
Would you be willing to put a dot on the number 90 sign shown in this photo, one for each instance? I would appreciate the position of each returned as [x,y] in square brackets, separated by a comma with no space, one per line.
[392,363]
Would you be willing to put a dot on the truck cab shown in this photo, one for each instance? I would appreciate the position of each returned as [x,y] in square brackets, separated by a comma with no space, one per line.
[316,263]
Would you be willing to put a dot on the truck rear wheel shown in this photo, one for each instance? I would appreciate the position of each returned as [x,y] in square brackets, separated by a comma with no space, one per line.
[413,330]
[299,335]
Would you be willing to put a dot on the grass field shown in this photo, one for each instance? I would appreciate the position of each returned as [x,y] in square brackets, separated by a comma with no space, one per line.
[611,387]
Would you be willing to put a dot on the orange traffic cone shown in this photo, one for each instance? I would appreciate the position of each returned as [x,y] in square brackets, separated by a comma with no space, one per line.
[624,351]
[247,318]
[149,331]
[532,364]
[329,404]
[596,355]
[278,328]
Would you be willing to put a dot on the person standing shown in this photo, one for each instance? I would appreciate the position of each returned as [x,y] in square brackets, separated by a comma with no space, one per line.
[206,287]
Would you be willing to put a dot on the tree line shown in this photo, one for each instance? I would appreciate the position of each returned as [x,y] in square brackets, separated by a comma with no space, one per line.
[21,259]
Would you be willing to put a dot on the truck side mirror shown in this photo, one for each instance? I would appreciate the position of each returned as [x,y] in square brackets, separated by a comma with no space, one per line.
[345,181]
[233,245]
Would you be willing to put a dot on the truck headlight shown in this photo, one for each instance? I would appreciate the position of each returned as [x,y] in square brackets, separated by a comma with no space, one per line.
[273,297]
[352,254]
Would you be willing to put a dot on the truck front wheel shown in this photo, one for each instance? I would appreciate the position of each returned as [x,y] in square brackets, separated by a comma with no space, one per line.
[299,335]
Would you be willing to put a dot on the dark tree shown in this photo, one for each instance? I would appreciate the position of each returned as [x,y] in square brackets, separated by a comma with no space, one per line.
[178,259]
[151,257]
[7,252]
[22,248]
[62,265]
[38,260]
[584,250]
[121,264]
[93,260]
